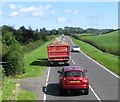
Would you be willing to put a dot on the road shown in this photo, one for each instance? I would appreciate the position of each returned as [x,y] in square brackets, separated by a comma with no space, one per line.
[103,84]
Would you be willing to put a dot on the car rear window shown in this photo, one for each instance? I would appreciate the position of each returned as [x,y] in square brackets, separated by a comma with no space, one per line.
[74,74]
[75,46]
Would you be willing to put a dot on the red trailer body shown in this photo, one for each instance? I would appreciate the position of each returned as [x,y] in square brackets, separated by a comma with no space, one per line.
[58,54]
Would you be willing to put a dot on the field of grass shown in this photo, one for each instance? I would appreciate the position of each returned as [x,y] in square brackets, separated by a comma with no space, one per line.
[107,42]
[108,60]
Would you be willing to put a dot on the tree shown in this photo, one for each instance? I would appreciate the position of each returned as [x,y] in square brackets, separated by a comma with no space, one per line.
[60,31]
[14,59]
[66,30]
[9,39]
[43,33]
[53,31]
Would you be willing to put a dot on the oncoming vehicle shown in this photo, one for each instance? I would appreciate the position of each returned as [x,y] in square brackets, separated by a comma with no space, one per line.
[75,48]
[73,78]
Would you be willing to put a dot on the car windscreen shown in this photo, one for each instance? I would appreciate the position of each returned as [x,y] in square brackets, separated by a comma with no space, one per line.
[74,74]
[75,46]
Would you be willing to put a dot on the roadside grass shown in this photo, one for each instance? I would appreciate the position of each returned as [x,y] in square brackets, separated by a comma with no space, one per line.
[36,61]
[108,60]
[107,42]
[34,45]
[9,89]
[27,95]
[35,64]
[8,85]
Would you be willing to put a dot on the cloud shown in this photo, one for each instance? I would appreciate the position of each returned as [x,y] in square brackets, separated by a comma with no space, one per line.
[53,12]
[13,14]
[74,11]
[61,20]
[28,9]
[38,14]
[33,10]
[13,6]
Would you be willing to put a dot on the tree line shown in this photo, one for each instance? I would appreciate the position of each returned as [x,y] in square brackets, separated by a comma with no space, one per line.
[12,39]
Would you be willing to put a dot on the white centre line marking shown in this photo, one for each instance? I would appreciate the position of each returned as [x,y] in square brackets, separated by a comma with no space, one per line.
[73,62]
[95,94]
[44,96]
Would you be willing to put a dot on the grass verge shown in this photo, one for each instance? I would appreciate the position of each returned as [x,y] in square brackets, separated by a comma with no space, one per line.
[26,95]
[108,60]
[8,86]
[35,62]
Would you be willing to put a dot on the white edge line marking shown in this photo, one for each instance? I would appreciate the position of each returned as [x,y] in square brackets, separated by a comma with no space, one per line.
[98,63]
[73,62]
[95,94]
[44,96]
[101,65]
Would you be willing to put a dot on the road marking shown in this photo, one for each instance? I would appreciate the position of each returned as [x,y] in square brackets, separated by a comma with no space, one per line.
[101,65]
[48,73]
[95,94]
[98,63]
[73,62]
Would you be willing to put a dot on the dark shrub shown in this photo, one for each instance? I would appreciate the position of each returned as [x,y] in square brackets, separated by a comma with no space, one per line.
[2,73]
[14,59]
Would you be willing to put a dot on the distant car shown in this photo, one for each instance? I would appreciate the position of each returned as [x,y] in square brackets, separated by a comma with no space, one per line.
[73,78]
[75,48]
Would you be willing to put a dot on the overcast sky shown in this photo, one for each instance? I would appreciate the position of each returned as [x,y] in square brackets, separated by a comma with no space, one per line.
[60,14]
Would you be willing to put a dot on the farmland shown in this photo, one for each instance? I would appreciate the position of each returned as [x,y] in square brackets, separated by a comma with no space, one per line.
[106,43]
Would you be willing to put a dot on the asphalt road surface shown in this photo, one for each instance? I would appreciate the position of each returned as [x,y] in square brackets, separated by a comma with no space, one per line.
[103,84]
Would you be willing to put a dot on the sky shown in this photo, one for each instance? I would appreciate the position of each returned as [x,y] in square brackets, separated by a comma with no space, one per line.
[54,15]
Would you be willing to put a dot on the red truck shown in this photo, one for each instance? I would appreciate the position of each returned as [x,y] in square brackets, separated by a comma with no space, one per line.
[58,53]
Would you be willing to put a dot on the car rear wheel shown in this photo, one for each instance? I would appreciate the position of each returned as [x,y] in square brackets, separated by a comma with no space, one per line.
[86,91]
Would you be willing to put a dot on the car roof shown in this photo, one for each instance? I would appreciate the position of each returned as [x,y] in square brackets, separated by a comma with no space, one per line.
[72,68]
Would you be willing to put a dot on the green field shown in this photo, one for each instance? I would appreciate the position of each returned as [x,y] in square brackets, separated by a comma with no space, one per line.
[108,60]
[107,42]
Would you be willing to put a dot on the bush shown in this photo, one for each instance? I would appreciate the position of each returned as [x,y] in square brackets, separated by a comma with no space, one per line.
[2,73]
[14,59]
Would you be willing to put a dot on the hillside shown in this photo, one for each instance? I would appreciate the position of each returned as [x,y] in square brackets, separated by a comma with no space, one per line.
[107,42]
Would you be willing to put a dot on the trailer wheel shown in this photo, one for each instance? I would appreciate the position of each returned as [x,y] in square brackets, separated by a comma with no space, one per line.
[67,64]
[50,64]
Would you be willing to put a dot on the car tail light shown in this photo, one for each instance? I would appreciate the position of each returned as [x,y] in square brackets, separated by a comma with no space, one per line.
[64,78]
[85,80]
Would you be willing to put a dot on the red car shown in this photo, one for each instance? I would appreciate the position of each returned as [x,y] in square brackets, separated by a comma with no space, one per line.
[73,78]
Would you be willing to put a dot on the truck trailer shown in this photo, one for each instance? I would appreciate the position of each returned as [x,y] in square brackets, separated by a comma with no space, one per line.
[58,53]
